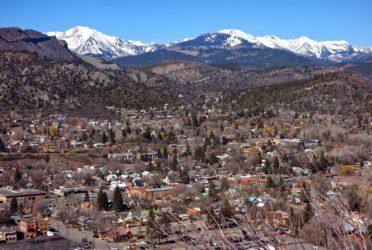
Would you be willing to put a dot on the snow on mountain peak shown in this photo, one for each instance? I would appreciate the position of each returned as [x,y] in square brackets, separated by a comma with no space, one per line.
[238,34]
[85,40]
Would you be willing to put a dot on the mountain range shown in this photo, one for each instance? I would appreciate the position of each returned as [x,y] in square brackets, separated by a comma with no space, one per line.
[228,46]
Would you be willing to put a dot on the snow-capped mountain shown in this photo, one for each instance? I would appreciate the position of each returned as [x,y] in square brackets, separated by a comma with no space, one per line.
[334,51]
[84,40]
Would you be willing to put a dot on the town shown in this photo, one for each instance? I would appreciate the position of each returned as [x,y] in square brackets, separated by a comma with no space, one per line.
[180,177]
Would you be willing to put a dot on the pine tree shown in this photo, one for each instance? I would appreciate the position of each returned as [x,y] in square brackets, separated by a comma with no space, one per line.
[174,162]
[165,153]
[226,209]
[86,197]
[212,159]
[112,135]
[117,200]
[84,137]
[188,150]
[212,191]
[270,183]
[276,165]
[308,213]
[323,162]
[224,140]
[104,138]
[102,200]
[17,176]
[160,155]
[13,208]
[2,145]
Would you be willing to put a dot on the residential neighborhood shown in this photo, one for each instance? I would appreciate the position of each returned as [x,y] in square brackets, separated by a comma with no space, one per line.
[174,179]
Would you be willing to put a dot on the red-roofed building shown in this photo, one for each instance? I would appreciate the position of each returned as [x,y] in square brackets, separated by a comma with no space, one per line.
[258,181]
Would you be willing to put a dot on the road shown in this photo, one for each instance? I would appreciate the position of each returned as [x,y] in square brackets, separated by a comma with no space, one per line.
[75,235]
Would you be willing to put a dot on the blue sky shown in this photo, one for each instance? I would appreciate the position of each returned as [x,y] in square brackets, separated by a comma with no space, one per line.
[166,20]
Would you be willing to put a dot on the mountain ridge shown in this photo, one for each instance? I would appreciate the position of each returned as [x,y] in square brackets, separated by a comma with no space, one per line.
[84,40]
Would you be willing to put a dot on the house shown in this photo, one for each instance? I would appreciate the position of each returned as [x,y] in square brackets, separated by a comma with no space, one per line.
[277,217]
[256,181]
[344,181]
[117,235]
[8,234]
[33,226]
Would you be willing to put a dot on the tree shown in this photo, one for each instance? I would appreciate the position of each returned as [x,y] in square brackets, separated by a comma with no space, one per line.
[84,137]
[17,176]
[361,164]
[270,183]
[117,200]
[13,208]
[2,145]
[104,138]
[226,210]
[86,197]
[212,191]
[212,159]
[147,134]
[225,185]
[276,165]
[188,150]
[323,162]
[224,140]
[199,154]
[174,161]
[102,200]
[112,135]
[184,176]
[308,212]
[165,153]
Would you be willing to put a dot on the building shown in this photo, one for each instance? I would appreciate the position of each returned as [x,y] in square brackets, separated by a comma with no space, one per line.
[8,234]
[256,181]
[34,226]
[22,195]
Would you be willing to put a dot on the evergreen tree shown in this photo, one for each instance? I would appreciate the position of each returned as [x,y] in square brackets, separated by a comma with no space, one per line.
[86,197]
[184,175]
[147,134]
[308,213]
[104,138]
[102,200]
[165,153]
[270,183]
[13,208]
[212,191]
[225,185]
[160,155]
[123,133]
[84,137]
[188,150]
[117,200]
[112,135]
[323,162]
[129,130]
[226,210]
[2,145]
[212,159]
[199,154]
[361,164]
[276,165]
[224,140]
[17,176]
[174,162]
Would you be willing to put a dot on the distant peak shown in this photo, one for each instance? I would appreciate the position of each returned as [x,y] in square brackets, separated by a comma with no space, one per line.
[238,33]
